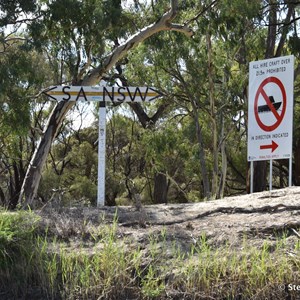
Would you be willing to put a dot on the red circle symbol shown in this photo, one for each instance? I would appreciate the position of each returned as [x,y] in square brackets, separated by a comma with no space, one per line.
[269,105]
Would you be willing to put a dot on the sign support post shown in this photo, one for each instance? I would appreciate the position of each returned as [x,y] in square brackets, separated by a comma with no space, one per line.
[290,172]
[101,154]
[251,177]
[271,175]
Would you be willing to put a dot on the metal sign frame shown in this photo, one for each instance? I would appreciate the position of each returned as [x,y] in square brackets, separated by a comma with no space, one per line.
[270,112]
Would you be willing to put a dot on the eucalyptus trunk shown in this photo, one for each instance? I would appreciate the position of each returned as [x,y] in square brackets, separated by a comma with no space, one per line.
[202,160]
[213,116]
[224,162]
[161,186]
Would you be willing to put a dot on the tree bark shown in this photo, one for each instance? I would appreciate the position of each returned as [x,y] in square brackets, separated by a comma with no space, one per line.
[15,183]
[202,158]
[272,29]
[285,30]
[34,171]
[160,188]
[297,162]
[33,175]
[213,116]
[224,162]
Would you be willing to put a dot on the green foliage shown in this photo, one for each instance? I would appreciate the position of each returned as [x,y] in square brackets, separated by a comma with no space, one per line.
[83,188]
[71,176]
[19,81]
[86,30]
[16,230]
[294,45]
[166,147]
[11,10]
[19,257]
[20,118]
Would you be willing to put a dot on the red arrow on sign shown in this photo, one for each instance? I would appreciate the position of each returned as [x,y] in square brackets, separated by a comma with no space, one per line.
[272,146]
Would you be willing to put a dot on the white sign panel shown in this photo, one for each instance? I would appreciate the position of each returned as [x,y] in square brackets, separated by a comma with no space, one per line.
[101,93]
[270,110]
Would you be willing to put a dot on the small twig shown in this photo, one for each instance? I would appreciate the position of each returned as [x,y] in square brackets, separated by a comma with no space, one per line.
[296,233]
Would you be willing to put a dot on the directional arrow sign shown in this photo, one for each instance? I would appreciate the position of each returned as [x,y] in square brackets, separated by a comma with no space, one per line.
[101,93]
[272,146]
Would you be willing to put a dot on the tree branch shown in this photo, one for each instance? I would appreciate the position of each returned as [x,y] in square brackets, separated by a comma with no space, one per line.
[182,28]
[201,12]
[285,30]
[163,24]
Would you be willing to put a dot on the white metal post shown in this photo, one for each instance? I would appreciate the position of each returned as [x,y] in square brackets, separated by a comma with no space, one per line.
[290,171]
[101,154]
[271,175]
[251,177]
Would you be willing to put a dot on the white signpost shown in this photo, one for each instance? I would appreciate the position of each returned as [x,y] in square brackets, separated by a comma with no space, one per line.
[270,111]
[101,94]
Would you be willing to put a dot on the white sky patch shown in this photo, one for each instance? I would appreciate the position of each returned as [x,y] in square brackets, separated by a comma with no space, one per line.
[82,115]
[130,3]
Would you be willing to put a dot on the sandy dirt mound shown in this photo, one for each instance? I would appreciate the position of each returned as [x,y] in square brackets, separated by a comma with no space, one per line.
[257,217]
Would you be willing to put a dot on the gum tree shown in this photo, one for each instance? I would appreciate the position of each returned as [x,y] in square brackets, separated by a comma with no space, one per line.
[18,79]
[84,55]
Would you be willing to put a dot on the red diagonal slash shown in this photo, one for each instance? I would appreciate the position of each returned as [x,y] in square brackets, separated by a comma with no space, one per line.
[272,146]
[270,104]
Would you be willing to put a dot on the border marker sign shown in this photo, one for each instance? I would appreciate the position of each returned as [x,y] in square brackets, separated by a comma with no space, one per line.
[270,109]
[101,94]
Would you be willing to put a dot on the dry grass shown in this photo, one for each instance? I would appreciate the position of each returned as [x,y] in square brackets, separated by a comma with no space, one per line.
[83,260]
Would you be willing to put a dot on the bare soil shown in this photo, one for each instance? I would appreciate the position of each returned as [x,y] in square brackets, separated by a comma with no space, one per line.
[258,217]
